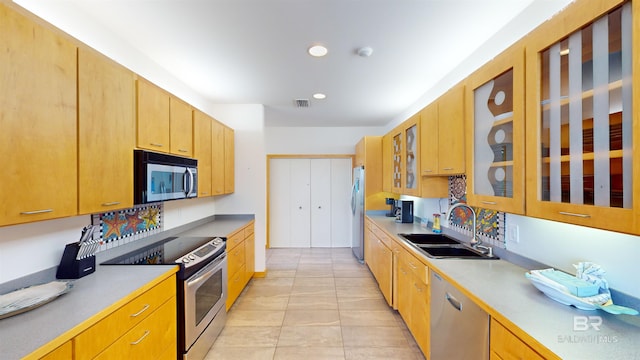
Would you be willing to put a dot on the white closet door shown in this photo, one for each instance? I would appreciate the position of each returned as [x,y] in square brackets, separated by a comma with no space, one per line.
[341,180]
[321,202]
[279,203]
[300,203]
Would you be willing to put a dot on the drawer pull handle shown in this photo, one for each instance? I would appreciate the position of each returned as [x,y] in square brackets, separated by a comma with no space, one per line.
[183,150]
[447,168]
[427,171]
[146,333]
[489,202]
[146,306]
[574,214]
[111,203]
[156,144]
[413,266]
[34,212]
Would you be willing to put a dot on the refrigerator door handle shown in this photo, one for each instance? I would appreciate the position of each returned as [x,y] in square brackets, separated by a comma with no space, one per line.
[353,197]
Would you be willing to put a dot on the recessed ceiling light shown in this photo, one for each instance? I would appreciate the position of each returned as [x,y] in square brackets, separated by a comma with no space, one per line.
[318,51]
[319,96]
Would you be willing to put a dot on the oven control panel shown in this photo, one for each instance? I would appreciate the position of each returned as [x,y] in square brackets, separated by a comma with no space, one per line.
[202,253]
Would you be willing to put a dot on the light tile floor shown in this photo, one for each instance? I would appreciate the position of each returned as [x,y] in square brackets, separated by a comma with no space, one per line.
[317,303]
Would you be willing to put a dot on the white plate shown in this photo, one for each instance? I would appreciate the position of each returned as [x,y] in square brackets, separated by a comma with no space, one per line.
[22,300]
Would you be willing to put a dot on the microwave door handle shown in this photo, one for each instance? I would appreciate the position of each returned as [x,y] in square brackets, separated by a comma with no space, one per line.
[188,182]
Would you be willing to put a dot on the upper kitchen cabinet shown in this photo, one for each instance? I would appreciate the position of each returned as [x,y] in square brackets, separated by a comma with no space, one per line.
[106,128]
[229,160]
[369,155]
[387,162]
[581,139]
[223,159]
[153,117]
[180,127]
[202,151]
[38,121]
[164,121]
[442,134]
[405,150]
[495,133]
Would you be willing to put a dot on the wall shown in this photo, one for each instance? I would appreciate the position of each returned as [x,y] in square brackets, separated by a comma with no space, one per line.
[316,140]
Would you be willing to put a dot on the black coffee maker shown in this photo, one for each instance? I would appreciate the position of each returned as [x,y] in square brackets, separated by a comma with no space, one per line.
[404,211]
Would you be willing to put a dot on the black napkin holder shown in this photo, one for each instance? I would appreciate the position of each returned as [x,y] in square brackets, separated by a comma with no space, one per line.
[72,268]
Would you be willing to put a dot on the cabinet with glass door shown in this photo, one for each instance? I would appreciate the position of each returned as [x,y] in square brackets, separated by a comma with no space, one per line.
[495,140]
[580,133]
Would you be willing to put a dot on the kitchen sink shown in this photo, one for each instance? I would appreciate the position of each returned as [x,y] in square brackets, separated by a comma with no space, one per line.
[439,246]
[458,252]
[428,239]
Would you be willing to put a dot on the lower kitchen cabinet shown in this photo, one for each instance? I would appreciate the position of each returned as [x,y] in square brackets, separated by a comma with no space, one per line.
[63,352]
[413,297]
[240,261]
[379,258]
[141,329]
[507,346]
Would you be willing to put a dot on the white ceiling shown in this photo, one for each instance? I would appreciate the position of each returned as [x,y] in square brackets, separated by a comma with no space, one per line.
[254,51]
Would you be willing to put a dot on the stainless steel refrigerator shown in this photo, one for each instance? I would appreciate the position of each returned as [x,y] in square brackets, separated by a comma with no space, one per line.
[357,209]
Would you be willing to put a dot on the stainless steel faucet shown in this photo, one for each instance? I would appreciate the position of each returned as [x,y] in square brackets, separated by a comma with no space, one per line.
[474,240]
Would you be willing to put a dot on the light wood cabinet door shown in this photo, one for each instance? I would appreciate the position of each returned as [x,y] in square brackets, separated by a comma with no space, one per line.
[106,128]
[495,133]
[202,151]
[507,346]
[217,158]
[150,338]
[404,291]
[229,161]
[411,156]
[451,138]
[387,162]
[384,273]
[250,255]
[429,139]
[153,129]
[180,127]
[582,123]
[420,313]
[38,122]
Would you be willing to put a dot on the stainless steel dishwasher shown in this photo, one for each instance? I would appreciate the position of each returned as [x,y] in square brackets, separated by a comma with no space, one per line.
[459,327]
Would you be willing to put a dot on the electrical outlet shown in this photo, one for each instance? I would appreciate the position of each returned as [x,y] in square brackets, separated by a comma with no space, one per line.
[513,232]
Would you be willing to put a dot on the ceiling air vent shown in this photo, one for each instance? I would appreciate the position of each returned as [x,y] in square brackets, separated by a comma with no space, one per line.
[301,103]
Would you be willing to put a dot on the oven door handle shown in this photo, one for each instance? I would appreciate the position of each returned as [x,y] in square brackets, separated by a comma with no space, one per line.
[207,271]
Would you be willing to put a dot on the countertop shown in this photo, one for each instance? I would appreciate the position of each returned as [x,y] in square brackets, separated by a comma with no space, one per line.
[93,294]
[501,288]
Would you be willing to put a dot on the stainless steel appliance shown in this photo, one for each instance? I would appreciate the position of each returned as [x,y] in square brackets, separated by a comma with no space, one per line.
[162,177]
[404,211]
[459,328]
[201,287]
[357,209]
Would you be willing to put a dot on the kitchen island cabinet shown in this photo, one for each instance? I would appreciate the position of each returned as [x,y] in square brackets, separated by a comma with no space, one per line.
[106,128]
[38,121]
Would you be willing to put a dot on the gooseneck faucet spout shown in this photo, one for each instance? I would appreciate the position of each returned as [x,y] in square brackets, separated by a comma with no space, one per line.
[474,240]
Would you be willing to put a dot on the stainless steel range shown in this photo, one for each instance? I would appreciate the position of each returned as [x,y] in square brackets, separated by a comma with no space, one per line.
[201,287]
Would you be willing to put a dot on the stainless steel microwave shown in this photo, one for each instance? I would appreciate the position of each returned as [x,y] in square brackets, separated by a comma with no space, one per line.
[162,177]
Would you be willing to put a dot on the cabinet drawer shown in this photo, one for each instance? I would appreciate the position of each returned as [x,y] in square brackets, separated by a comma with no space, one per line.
[507,346]
[416,266]
[235,239]
[235,259]
[382,236]
[63,352]
[248,231]
[235,286]
[96,338]
[150,338]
